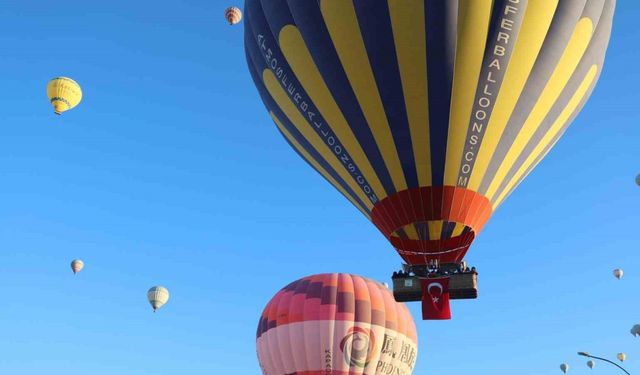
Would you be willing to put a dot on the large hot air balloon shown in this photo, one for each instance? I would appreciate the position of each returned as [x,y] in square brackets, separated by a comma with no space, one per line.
[425,115]
[564,367]
[591,364]
[621,357]
[618,273]
[157,297]
[233,15]
[336,324]
[64,94]
[76,266]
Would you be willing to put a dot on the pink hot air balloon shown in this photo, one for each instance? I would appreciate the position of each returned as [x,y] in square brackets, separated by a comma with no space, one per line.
[336,324]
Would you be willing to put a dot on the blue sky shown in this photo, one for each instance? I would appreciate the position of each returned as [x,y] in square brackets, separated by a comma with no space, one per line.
[170,172]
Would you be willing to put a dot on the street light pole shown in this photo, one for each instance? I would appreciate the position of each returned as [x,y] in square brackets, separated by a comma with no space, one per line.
[585,354]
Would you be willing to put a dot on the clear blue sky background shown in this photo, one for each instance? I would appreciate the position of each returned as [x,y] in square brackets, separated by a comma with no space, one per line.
[170,172]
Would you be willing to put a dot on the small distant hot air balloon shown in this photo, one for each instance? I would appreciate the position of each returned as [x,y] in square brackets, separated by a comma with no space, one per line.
[336,324]
[64,94]
[591,364]
[157,296]
[233,15]
[618,273]
[638,180]
[621,357]
[77,265]
[635,330]
[564,367]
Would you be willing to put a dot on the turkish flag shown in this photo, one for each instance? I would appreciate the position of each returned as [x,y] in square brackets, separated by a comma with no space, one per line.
[435,299]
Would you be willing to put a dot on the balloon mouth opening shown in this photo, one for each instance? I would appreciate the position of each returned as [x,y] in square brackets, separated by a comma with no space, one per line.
[422,242]
[59,106]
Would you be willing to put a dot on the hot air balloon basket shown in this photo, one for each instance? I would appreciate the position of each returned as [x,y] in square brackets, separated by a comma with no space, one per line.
[461,286]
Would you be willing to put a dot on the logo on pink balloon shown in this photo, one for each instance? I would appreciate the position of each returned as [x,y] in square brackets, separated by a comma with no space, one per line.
[358,347]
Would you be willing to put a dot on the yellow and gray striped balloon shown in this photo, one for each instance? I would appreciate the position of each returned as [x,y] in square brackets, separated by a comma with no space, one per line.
[157,296]
[425,114]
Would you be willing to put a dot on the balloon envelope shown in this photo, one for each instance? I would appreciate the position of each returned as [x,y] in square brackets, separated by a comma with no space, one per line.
[157,297]
[591,364]
[621,357]
[638,180]
[233,15]
[564,367]
[336,324]
[77,265]
[618,273]
[64,94]
[425,115]
[635,330]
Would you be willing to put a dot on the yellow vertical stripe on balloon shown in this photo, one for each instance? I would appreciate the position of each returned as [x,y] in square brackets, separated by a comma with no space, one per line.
[407,20]
[316,165]
[568,61]
[298,56]
[457,230]
[286,105]
[553,131]
[495,206]
[473,26]
[536,22]
[435,229]
[411,232]
[342,23]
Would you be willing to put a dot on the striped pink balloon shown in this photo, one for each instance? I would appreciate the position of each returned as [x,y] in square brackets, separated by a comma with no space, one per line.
[336,324]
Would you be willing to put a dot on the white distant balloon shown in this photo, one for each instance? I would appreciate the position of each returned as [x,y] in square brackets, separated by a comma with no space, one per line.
[157,297]
[618,273]
[564,367]
[77,265]
[635,330]
[591,364]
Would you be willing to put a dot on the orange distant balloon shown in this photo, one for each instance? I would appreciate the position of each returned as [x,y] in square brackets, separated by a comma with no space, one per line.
[233,15]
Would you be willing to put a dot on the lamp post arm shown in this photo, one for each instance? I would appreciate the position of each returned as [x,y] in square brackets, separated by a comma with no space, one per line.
[613,363]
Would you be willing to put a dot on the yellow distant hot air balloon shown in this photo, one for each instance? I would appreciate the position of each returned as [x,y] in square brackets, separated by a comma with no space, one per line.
[157,296]
[77,265]
[64,94]
[233,15]
[621,357]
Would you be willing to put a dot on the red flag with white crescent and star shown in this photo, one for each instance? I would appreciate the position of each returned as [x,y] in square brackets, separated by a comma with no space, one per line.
[435,299]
